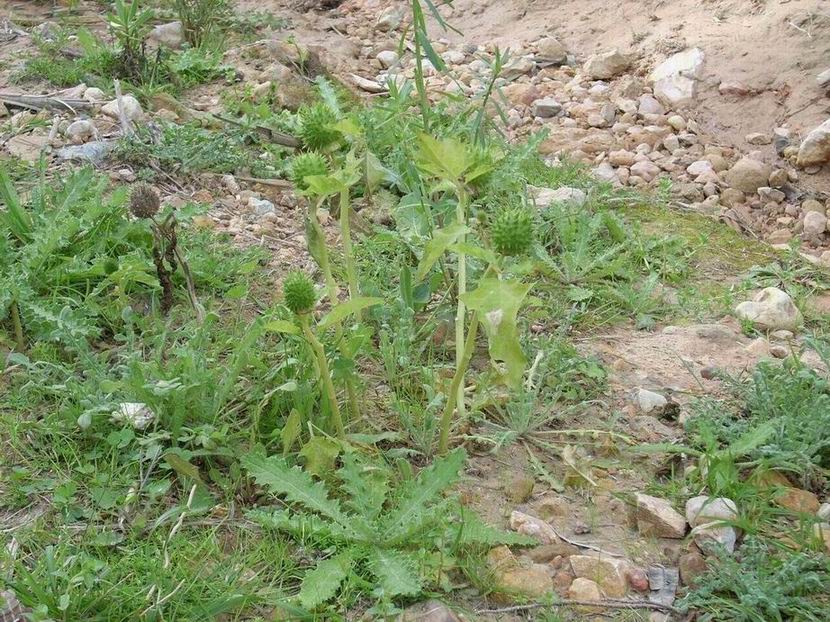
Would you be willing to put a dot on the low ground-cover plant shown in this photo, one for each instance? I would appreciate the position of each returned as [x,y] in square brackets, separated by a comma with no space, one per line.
[390,540]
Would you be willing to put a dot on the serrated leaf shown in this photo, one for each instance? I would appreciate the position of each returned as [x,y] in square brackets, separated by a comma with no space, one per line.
[441,240]
[472,530]
[322,583]
[408,514]
[345,309]
[297,486]
[323,185]
[498,302]
[366,485]
[300,525]
[752,439]
[396,572]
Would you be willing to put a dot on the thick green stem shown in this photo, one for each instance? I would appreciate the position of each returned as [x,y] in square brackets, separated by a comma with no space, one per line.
[348,254]
[325,375]
[18,327]
[331,287]
[457,386]
[461,311]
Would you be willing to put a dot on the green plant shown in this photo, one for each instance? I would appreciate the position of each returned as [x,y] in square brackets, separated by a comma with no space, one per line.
[375,533]
[307,165]
[512,231]
[762,582]
[317,129]
[203,20]
[130,26]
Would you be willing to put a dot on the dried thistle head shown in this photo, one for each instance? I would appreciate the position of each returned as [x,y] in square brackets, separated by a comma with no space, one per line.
[299,293]
[144,201]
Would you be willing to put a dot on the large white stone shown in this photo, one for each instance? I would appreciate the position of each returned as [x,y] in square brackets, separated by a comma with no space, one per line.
[675,79]
[132,109]
[606,65]
[815,149]
[706,516]
[771,309]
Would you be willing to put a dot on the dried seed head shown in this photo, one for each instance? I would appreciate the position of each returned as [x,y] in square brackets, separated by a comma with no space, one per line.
[144,201]
[512,231]
[299,293]
[306,165]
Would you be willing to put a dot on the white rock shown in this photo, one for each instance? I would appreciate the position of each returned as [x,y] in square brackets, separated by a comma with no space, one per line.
[656,517]
[823,79]
[132,109]
[815,223]
[533,527]
[387,58]
[815,149]
[646,170]
[771,309]
[261,206]
[706,515]
[80,131]
[93,94]
[675,79]
[649,401]
[677,122]
[546,107]
[699,168]
[606,65]
[370,86]
[519,66]
[605,172]
[650,105]
[551,51]
[169,35]
[389,19]
[137,414]
[545,197]
[824,512]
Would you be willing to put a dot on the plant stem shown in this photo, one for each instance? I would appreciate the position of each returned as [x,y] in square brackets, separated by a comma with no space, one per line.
[325,374]
[331,286]
[461,311]
[348,255]
[419,26]
[18,327]
[457,386]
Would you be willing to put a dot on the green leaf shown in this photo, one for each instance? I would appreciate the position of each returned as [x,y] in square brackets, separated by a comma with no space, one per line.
[498,302]
[345,309]
[441,240]
[282,326]
[291,430]
[753,439]
[322,583]
[396,572]
[15,217]
[297,485]
[472,250]
[472,530]
[323,185]
[320,454]
[366,485]
[447,159]
[409,512]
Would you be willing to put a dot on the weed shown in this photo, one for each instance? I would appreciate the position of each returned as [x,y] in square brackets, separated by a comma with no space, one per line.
[204,21]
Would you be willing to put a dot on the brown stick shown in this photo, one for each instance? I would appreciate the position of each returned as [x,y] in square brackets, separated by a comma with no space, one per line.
[41,102]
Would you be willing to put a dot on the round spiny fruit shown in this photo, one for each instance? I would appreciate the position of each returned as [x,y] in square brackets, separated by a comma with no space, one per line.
[512,231]
[299,292]
[144,201]
[315,130]
[306,165]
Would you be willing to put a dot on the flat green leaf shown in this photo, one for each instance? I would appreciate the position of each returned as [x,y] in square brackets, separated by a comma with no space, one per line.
[322,583]
[417,494]
[291,431]
[320,454]
[441,240]
[323,185]
[297,485]
[753,439]
[447,159]
[396,572]
[15,217]
[472,250]
[498,302]
[345,309]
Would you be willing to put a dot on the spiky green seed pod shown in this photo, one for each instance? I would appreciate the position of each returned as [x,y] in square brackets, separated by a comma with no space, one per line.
[315,130]
[144,201]
[512,231]
[306,165]
[299,293]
